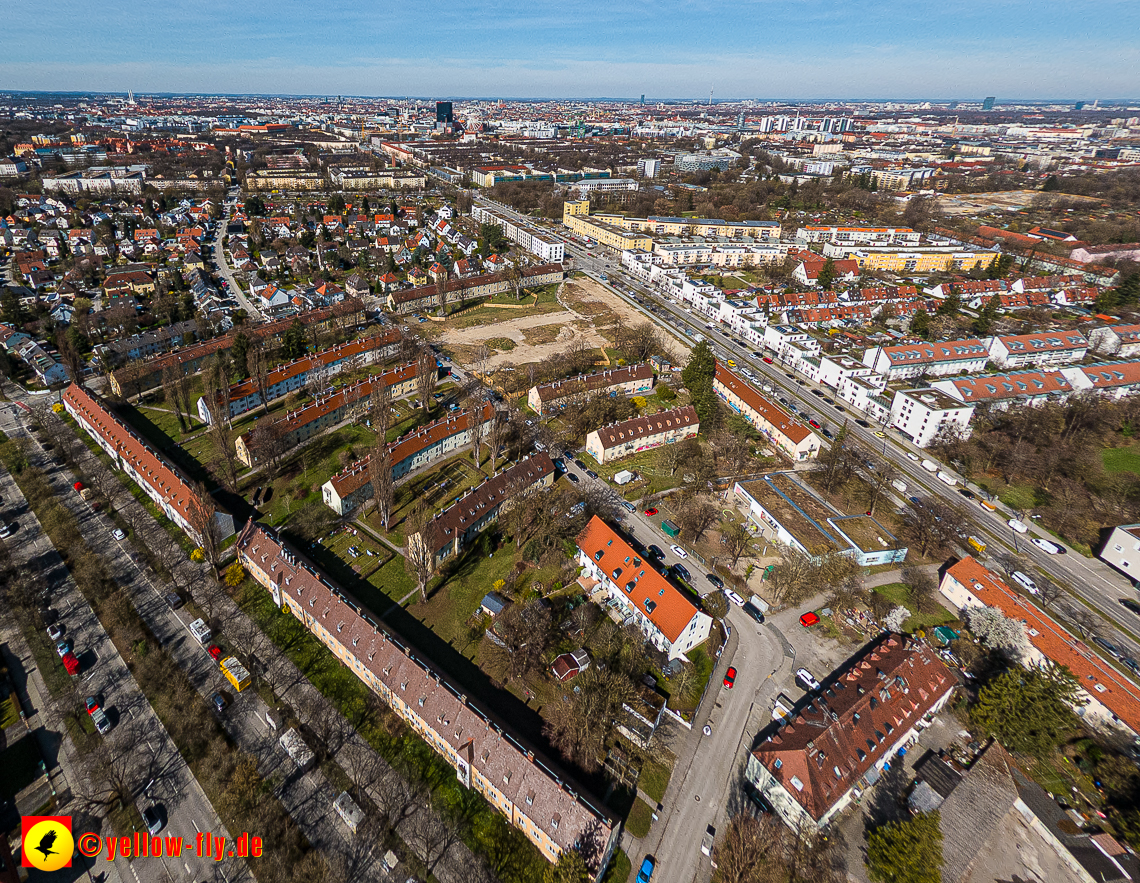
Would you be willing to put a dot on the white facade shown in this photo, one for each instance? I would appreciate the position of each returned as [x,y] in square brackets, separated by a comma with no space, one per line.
[1041,350]
[1122,550]
[928,359]
[922,414]
[546,248]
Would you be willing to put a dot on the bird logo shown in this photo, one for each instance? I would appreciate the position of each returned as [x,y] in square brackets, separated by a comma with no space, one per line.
[48,842]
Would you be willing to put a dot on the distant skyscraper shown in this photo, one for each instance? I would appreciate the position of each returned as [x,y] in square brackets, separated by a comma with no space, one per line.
[1080,105]
[643,99]
[988,104]
[443,112]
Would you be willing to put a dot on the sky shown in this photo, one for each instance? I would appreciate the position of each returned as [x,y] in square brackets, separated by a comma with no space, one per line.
[791,49]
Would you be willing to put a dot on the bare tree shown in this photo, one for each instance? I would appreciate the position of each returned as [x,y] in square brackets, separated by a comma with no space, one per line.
[879,475]
[202,515]
[267,444]
[422,546]
[481,361]
[745,850]
[383,485]
[170,390]
[737,540]
[427,373]
[380,404]
[524,634]
[496,430]
[921,586]
[257,360]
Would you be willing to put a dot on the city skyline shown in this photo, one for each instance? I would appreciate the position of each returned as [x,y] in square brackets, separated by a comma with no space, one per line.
[578,50]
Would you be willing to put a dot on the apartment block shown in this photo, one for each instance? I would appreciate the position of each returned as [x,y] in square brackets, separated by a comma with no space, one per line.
[617,440]
[1040,350]
[531,792]
[858,236]
[928,359]
[661,611]
[1001,391]
[790,437]
[426,297]
[921,414]
[1121,341]
[548,249]
[631,380]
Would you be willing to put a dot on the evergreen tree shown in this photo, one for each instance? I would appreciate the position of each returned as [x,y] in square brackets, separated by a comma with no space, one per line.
[920,324]
[698,379]
[988,315]
[909,851]
[1028,710]
[293,344]
[951,306]
[239,350]
[826,275]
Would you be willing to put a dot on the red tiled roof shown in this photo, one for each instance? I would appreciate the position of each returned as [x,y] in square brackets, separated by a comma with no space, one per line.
[551,392]
[308,363]
[1101,680]
[1044,341]
[862,711]
[795,431]
[995,387]
[648,591]
[643,427]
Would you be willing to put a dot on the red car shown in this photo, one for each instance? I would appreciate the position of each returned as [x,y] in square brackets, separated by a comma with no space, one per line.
[651,511]
[808,619]
[766,360]
[730,677]
[215,652]
[78,486]
[92,703]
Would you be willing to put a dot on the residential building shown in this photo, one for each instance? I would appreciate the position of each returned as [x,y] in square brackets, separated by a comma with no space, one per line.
[928,359]
[352,487]
[1107,697]
[427,297]
[149,343]
[811,265]
[789,342]
[1122,551]
[859,235]
[320,367]
[911,261]
[600,231]
[534,795]
[449,532]
[785,510]
[921,414]
[662,612]
[618,440]
[1112,379]
[631,380]
[174,495]
[1003,390]
[47,370]
[1040,350]
[546,248]
[348,401]
[836,742]
[787,435]
[1121,341]
[703,162]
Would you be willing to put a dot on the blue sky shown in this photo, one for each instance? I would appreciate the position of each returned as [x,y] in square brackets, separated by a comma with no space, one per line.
[1080,49]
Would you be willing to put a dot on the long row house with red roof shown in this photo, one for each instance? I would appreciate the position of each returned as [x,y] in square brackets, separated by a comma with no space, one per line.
[246,395]
[533,794]
[161,481]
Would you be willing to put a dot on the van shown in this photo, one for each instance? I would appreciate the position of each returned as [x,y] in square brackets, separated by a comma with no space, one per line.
[976,544]
[201,631]
[947,478]
[753,611]
[899,485]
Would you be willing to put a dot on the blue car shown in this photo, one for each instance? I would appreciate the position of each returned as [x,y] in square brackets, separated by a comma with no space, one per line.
[646,871]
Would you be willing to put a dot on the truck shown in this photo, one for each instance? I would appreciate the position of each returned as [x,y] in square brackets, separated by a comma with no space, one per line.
[947,478]
[298,751]
[976,544]
[929,465]
[623,477]
[201,631]
[235,673]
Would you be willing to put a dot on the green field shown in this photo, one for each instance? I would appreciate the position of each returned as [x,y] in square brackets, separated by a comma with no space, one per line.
[639,819]
[1121,459]
[898,593]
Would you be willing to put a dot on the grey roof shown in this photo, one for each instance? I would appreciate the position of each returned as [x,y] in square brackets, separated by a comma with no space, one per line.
[973,811]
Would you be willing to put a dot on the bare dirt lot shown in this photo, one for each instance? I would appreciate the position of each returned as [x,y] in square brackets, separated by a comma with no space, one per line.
[589,313]
[1005,200]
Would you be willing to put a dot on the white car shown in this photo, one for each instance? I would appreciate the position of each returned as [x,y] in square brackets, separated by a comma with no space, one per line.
[1018,526]
[1025,582]
[118,534]
[678,551]
[1047,546]
[806,680]
[733,597]
[912,456]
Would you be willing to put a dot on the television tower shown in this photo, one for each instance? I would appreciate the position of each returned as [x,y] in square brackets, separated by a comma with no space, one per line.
[710,96]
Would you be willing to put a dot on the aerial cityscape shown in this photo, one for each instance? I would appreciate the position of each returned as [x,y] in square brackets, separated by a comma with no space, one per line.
[416,465]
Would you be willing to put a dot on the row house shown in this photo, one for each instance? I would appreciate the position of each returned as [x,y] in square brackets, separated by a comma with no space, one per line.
[353,487]
[838,740]
[787,435]
[1107,698]
[617,440]
[1001,391]
[160,480]
[534,795]
[1113,379]
[452,530]
[245,396]
[348,401]
[426,297]
[630,380]
[1121,341]
[1041,350]
[923,359]
[670,621]
[148,343]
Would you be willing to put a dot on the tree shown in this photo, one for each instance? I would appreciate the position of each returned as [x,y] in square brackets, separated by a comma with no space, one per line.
[570,868]
[1028,710]
[235,575]
[715,604]
[293,344]
[951,304]
[737,540]
[826,275]
[267,444]
[170,391]
[202,515]
[745,853]
[879,476]
[921,586]
[987,315]
[697,516]
[238,352]
[524,633]
[920,324]
[907,851]
[422,546]
[579,723]
[383,485]
[698,379]
[932,525]
[427,373]
[69,352]
[999,632]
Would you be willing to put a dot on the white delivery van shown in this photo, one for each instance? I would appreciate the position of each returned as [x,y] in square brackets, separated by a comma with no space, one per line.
[947,478]
[899,485]
[201,631]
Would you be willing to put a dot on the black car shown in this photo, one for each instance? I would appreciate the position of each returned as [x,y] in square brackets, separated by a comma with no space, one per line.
[573,478]
[829,400]
[715,580]
[863,423]
[655,553]
[579,464]
[1130,604]
[681,571]
[816,392]
[969,495]
[591,473]
[826,433]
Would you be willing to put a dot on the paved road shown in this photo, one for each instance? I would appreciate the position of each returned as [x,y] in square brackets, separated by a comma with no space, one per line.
[156,760]
[225,271]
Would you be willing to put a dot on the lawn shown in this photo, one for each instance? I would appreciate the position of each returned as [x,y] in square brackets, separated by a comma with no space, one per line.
[167,421]
[898,593]
[1019,497]
[639,819]
[439,488]
[1121,459]
[9,712]
[654,779]
[619,869]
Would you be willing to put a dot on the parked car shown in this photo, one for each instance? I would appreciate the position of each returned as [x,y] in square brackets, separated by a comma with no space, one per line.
[93,703]
[152,818]
[656,553]
[55,632]
[173,600]
[682,572]
[1026,582]
[645,873]
[579,464]
[809,619]
[651,511]
[591,473]
[118,534]
[730,677]
[215,652]
[1018,526]
[806,680]
[753,611]
[219,702]
[715,580]
[678,551]
[629,507]
[733,597]
[708,840]
[1048,546]
[63,647]
[572,478]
